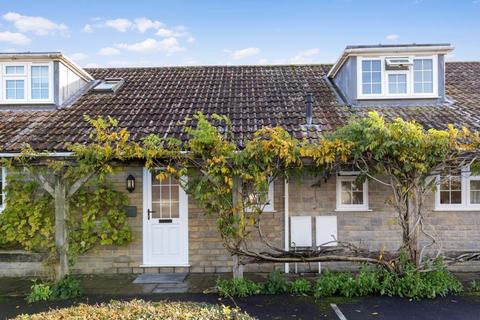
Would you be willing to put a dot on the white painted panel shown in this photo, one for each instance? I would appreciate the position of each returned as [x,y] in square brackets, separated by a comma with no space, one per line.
[69,83]
[300,231]
[326,230]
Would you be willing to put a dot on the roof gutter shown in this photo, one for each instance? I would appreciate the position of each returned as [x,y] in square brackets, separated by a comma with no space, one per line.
[348,52]
[46,154]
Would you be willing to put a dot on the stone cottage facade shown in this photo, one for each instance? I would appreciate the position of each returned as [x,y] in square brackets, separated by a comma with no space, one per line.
[44,97]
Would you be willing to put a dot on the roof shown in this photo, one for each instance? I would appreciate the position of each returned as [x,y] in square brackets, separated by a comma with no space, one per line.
[405,45]
[156,100]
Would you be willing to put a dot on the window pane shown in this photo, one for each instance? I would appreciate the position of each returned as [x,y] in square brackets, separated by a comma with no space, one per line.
[14,70]
[15,89]
[346,198]
[377,88]
[357,198]
[427,87]
[427,64]
[418,88]
[376,65]
[39,82]
[366,77]
[376,77]
[371,77]
[366,88]
[346,186]
[445,197]
[475,185]
[475,197]
[366,65]
[456,197]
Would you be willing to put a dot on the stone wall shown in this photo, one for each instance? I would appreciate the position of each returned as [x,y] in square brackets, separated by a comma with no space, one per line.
[206,251]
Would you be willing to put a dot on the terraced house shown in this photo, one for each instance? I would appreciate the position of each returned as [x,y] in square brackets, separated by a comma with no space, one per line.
[44,97]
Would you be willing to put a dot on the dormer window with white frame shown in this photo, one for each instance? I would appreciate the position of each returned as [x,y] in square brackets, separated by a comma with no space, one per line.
[26,82]
[392,77]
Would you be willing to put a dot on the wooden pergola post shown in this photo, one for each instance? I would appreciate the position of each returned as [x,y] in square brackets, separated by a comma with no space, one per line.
[237,195]
[61,228]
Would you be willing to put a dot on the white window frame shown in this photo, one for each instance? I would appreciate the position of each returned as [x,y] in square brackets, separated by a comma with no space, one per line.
[351,176]
[50,82]
[384,91]
[465,205]
[26,77]
[4,184]
[397,72]
[434,75]
[269,206]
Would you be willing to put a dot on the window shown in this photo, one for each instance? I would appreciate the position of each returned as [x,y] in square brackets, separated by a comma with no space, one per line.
[265,204]
[351,194]
[165,198]
[15,89]
[3,183]
[386,77]
[371,77]
[459,191]
[423,76]
[451,190]
[397,83]
[39,82]
[24,82]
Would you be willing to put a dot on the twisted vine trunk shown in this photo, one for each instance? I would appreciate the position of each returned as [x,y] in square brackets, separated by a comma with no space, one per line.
[410,232]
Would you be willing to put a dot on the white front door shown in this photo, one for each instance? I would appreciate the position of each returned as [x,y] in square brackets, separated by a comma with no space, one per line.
[165,222]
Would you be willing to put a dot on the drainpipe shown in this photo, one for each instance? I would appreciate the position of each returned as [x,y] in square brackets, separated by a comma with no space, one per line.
[286,226]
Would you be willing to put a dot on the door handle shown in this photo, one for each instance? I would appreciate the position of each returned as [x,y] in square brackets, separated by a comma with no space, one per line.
[148,213]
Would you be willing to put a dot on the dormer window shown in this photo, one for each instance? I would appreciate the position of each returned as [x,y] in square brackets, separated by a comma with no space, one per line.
[389,77]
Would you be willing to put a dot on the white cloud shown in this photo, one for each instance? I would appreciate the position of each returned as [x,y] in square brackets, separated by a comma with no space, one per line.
[119,24]
[167,45]
[304,56]
[263,61]
[37,25]
[78,56]
[392,36]
[14,37]
[190,39]
[143,24]
[87,28]
[243,53]
[175,32]
[108,51]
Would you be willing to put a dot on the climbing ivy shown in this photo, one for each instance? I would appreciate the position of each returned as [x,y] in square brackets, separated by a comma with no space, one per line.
[97,217]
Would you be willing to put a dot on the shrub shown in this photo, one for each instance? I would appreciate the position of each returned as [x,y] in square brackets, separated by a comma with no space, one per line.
[411,284]
[67,288]
[300,287]
[139,309]
[474,286]
[39,292]
[275,284]
[237,288]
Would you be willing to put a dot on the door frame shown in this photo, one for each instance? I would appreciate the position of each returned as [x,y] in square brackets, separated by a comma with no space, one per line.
[183,207]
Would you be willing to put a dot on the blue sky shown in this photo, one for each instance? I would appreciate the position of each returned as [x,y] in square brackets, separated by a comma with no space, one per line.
[184,32]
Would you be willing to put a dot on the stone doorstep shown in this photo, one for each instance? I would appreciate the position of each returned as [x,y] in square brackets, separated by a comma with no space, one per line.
[161,278]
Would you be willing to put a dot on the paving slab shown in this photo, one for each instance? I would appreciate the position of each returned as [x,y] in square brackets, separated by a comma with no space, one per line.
[159,278]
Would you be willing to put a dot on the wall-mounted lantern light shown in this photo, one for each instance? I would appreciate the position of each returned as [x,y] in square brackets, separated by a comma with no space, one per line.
[130,183]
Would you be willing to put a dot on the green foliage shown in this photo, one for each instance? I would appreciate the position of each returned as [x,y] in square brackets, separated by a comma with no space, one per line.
[237,287]
[67,288]
[275,284]
[39,292]
[27,218]
[300,287]
[411,284]
[474,286]
[96,217]
[139,309]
